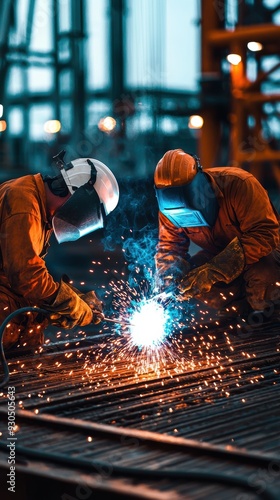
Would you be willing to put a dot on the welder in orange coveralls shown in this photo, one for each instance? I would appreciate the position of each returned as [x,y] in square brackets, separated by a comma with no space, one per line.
[228,214]
[71,204]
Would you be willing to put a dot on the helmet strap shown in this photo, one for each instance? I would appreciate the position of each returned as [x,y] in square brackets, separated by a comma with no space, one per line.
[198,165]
[93,175]
[57,185]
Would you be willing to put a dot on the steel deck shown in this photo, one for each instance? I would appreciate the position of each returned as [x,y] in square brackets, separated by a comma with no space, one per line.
[201,426]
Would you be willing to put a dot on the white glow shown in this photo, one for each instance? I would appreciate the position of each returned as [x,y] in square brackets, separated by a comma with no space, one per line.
[1,110]
[107,124]
[234,59]
[196,121]
[149,322]
[52,126]
[254,46]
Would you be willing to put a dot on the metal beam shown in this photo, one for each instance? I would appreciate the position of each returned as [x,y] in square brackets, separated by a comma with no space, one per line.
[6,19]
[211,19]
[116,49]
[77,36]
[259,33]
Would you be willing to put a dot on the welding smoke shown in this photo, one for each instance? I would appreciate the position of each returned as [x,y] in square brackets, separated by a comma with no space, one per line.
[133,226]
[139,252]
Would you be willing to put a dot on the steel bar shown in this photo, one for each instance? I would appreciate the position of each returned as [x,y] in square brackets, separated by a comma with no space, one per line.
[263,33]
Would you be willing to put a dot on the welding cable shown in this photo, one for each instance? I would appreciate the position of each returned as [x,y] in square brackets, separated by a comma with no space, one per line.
[134,472]
[2,330]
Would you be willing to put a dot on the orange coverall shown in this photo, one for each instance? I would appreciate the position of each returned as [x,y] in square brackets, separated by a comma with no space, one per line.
[24,278]
[245,211]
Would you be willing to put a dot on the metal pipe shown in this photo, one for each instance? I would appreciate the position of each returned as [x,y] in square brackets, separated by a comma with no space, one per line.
[263,33]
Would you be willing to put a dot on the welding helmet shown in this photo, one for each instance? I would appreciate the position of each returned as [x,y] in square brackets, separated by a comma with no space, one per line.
[184,192]
[94,194]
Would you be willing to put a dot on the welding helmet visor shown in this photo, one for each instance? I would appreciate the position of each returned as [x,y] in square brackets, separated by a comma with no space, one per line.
[190,205]
[81,214]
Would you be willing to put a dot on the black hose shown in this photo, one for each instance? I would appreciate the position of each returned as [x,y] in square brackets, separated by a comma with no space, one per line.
[2,330]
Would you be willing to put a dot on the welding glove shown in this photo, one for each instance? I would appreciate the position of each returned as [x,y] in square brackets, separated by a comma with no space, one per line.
[169,273]
[95,304]
[68,309]
[90,298]
[225,267]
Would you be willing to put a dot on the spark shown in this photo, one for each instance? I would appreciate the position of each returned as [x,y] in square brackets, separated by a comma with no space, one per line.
[163,341]
[149,324]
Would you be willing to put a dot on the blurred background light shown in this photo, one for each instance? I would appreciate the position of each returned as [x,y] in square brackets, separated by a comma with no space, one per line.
[1,110]
[195,122]
[52,126]
[234,59]
[3,125]
[107,124]
[254,46]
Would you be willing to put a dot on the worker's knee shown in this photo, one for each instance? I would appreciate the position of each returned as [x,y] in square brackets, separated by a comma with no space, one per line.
[262,281]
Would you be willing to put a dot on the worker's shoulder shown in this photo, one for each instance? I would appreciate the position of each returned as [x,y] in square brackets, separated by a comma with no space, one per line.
[233,172]
[21,194]
[25,184]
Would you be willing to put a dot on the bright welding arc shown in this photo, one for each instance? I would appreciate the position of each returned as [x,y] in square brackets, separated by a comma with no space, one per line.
[149,324]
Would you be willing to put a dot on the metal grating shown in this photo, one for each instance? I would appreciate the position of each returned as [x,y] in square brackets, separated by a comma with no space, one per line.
[228,399]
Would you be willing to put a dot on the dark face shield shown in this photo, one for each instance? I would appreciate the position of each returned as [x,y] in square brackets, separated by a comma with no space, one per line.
[191,205]
[81,214]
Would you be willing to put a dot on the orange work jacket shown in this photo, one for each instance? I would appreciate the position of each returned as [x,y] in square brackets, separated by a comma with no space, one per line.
[245,211]
[24,236]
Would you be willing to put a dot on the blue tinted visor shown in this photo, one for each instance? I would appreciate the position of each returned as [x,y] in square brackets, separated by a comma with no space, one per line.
[190,205]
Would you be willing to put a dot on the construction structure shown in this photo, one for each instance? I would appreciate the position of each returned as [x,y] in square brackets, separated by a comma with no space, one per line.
[246,115]
[49,72]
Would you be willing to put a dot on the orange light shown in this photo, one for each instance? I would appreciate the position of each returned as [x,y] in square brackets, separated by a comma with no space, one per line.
[52,126]
[195,121]
[234,59]
[107,124]
[3,125]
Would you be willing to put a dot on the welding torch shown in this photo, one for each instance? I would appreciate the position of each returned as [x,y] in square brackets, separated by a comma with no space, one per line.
[173,292]
[102,317]
[118,321]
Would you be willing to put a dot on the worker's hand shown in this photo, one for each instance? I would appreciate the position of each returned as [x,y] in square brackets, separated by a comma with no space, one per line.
[95,304]
[163,283]
[199,280]
[169,274]
[224,267]
[68,309]
[90,298]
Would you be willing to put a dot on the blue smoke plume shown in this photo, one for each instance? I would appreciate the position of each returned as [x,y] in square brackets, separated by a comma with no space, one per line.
[133,226]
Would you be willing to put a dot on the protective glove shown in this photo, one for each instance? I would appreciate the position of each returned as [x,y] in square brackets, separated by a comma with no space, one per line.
[68,309]
[169,274]
[95,304]
[90,298]
[225,267]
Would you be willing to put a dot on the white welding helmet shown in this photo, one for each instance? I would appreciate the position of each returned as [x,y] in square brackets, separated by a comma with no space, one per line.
[94,194]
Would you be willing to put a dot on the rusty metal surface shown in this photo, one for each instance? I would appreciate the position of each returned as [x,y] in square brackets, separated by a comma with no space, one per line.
[226,396]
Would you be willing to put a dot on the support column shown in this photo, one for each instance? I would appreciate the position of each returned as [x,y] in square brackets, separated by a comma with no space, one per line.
[211,79]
